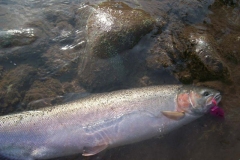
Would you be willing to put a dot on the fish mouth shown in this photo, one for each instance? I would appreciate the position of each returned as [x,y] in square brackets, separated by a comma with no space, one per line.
[217,97]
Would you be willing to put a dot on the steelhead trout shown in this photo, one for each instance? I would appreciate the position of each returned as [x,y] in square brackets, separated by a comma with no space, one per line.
[92,124]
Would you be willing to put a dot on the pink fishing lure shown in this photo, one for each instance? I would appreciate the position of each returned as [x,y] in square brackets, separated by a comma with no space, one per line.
[216,111]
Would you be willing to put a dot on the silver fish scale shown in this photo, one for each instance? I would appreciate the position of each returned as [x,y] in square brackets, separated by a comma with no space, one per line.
[112,104]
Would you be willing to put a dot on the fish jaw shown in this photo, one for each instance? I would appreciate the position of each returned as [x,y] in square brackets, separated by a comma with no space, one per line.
[197,100]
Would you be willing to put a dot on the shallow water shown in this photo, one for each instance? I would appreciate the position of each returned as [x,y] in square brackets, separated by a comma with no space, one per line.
[44,54]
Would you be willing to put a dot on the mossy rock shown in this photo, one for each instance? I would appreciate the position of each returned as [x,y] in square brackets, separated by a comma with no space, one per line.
[13,86]
[43,89]
[202,71]
[13,38]
[202,56]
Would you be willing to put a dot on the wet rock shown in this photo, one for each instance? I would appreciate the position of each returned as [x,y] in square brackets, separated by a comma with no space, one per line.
[50,92]
[1,71]
[43,89]
[13,86]
[185,76]
[58,61]
[165,51]
[56,15]
[227,37]
[66,35]
[191,54]
[202,57]
[224,15]
[17,37]
[72,86]
[82,15]
[145,81]
[66,31]
[60,20]
[17,56]
[114,27]
[96,73]
[158,59]
[229,2]
[13,16]
[231,48]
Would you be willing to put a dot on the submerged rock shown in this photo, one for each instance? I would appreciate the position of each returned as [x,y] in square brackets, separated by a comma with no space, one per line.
[191,54]
[98,73]
[43,89]
[13,86]
[17,37]
[202,57]
[114,27]
[98,45]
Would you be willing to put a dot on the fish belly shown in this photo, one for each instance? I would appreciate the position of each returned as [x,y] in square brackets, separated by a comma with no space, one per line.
[114,132]
[129,128]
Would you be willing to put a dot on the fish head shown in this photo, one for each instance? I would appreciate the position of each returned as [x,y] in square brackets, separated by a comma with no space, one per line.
[197,100]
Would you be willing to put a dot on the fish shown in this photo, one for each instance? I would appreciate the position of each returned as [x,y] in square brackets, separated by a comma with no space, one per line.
[101,121]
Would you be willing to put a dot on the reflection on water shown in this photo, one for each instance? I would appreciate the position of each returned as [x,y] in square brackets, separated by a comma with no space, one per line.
[50,49]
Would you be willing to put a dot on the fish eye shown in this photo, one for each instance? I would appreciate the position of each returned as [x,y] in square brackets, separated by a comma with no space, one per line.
[206,93]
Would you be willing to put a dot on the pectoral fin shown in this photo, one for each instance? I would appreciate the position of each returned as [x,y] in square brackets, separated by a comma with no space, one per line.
[173,114]
[90,151]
